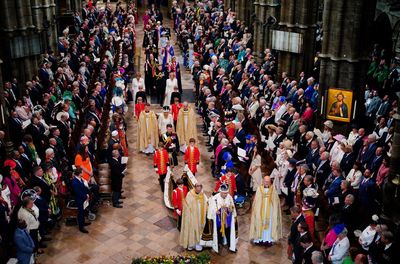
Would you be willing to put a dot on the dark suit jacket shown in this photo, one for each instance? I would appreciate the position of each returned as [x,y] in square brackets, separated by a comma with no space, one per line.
[64,132]
[15,129]
[36,181]
[43,207]
[367,192]
[334,189]
[347,162]
[369,154]
[293,230]
[80,190]
[289,178]
[116,174]
[307,255]
[349,216]
[322,173]
[312,158]
[375,163]
[241,136]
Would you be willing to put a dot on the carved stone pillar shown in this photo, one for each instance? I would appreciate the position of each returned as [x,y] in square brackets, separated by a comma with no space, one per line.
[298,17]
[345,47]
[262,32]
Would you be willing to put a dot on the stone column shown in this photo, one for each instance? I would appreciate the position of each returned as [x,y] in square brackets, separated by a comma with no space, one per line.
[345,47]
[263,10]
[299,17]
[24,14]
[227,4]
[8,15]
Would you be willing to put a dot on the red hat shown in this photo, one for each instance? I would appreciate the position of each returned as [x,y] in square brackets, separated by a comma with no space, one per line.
[10,163]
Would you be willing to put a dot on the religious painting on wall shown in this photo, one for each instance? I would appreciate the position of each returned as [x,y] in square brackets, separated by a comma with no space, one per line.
[339,104]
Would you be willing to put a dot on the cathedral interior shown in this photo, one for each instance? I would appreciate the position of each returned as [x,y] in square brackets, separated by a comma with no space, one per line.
[331,40]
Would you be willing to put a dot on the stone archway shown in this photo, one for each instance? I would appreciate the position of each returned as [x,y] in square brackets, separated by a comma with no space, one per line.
[396,39]
[382,32]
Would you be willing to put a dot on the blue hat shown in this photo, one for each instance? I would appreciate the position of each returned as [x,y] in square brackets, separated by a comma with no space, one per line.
[227,156]
[248,137]
[292,161]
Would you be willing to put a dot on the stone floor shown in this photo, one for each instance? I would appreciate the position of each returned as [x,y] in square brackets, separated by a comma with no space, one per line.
[144,226]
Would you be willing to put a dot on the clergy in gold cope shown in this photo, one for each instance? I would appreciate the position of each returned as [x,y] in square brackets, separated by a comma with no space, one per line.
[266,216]
[193,218]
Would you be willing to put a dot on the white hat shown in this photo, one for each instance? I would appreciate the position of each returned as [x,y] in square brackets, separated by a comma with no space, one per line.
[114,133]
[60,114]
[328,123]
[238,107]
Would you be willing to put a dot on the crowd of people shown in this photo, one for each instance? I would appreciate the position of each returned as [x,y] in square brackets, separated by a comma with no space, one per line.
[260,129]
[58,123]
[260,123]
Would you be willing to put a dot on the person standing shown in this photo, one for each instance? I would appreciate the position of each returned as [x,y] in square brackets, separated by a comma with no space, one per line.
[25,246]
[178,196]
[81,192]
[192,156]
[193,218]
[186,124]
[30,214]
[266,216]
[222,212]
[171,144]
[172,82]
[147,131]
[117,175]
[161,164]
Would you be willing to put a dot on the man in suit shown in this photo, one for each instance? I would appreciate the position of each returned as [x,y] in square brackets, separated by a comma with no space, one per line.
[297,218]
[313,156]
[81,192]
[25,246]
[384,107]
[334,191]
[64,127]
[117,175]
[348,159]
[15,128]
[322,170]
[25,161]
[348,213]
[376,161]
[369,153]
[288,180]
[387,250]
[37,180]
[240,136]
[43,207]
[15,156]
[367,195]
[293,126]
[298,249]
[358,144]
[308,248]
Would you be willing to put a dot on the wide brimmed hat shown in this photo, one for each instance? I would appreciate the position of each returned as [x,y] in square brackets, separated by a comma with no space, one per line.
[328,123]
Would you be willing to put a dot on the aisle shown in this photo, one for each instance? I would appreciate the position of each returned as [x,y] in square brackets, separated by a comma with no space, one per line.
[144,227]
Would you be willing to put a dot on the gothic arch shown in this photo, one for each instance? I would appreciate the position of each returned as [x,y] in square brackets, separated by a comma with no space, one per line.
[382,32]
[396,38]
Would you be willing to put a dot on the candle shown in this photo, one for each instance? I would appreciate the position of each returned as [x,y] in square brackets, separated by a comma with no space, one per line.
[322,105]
[355,108]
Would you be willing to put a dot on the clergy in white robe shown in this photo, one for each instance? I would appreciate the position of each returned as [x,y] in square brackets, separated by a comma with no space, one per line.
[222,212]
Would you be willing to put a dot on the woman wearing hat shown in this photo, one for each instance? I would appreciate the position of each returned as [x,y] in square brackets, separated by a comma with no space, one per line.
[326,134]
